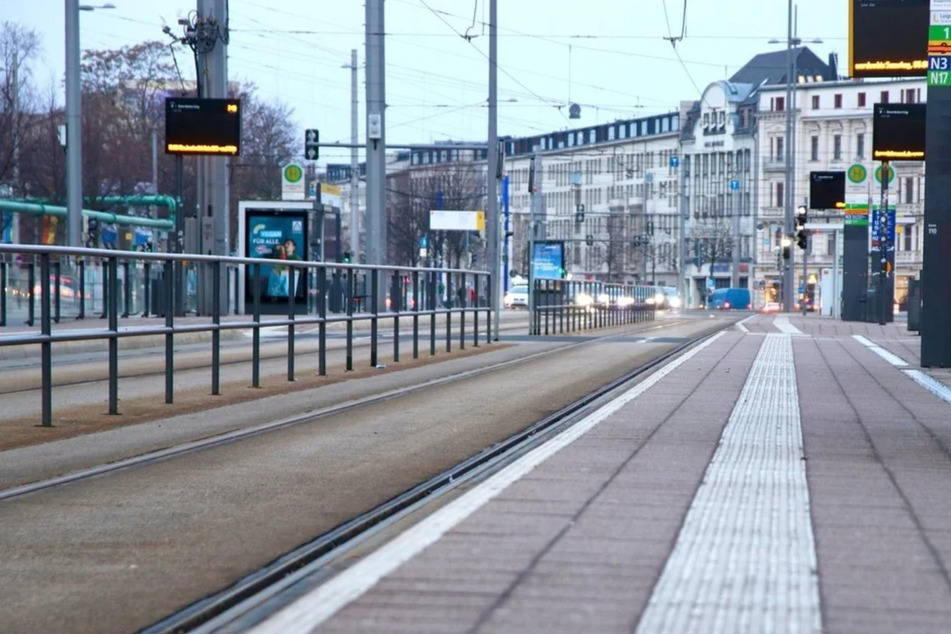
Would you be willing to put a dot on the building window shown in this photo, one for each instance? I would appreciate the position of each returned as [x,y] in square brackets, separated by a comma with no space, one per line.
[779,191]
[814,144]
[779,155]
[610,133]
[837,101]
[837,147]
[860,145]
[909,189]
[815,102]
[592,136]
[884,97]
[861,100]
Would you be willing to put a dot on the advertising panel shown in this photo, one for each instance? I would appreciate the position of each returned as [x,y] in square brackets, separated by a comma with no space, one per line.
[276,236]
[548,259]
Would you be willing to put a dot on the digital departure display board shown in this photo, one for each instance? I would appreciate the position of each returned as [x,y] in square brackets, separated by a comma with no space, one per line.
[826,190]
[898,132]
[888,38]
[203,126]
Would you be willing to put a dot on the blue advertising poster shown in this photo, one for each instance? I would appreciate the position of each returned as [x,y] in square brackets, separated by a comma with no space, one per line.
[276,236]
[548,259]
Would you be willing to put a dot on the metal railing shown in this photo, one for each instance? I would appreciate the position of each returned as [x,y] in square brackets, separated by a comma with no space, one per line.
[564,306]
[42,286]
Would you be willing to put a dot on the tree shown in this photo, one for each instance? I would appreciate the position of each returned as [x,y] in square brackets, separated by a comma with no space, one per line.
[411,196]
[267,144]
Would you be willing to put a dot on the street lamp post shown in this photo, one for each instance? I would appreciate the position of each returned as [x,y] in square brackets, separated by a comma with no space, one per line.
[792,43]
[74,137]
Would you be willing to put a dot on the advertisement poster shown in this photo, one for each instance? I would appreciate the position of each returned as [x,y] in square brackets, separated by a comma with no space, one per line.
[277,237]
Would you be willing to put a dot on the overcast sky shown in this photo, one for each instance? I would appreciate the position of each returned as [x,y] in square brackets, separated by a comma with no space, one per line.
[610,56]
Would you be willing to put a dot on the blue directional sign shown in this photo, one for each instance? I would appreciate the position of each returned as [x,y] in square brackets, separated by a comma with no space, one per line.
[876,226]
[674,161]
[734,185]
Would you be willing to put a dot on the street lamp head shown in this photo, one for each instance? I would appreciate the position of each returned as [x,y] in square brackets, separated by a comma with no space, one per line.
[93,7]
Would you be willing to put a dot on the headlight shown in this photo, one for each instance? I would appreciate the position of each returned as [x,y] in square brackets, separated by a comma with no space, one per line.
[583,299]
[625,301]
[650,300]
[603,298]
[674,302]
[659,298]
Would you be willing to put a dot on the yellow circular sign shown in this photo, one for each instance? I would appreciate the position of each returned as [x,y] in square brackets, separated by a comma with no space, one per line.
[891,174]
[293,173]
[857,173]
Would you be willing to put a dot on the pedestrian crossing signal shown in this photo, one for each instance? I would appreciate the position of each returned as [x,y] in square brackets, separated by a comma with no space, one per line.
[346,257]
[311,144]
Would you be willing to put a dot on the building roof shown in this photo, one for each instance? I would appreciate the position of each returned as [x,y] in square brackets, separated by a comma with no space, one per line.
[772,68]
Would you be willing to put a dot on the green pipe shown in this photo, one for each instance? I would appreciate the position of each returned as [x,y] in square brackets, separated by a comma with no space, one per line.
[41,209]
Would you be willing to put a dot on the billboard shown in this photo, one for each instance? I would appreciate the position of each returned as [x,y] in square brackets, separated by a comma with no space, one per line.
[276,236]
[898,132]
[888,38]
[202,126]
[826,190]
[548,259]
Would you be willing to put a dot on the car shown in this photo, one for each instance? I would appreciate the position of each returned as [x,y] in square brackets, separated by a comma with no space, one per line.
[730,299]
[516,297]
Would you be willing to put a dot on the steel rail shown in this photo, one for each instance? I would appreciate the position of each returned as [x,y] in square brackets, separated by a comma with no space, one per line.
[287,569]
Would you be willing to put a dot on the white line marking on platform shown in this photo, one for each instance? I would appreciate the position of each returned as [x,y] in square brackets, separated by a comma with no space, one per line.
[882,352]
[317,606]
[742,325]
[782,324]
[745,559]
[935,387]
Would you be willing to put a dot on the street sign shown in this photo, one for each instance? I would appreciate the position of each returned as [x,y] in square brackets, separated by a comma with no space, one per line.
[292,182]
[674,161]
[734,185]
[311,144]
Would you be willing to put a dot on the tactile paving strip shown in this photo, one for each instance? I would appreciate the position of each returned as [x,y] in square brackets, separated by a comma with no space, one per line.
[745,559]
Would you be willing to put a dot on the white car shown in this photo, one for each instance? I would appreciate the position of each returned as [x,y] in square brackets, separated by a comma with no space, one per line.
[516,297]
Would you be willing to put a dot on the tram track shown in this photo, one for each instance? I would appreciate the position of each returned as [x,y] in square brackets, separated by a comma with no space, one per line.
[184,474]
[254,589]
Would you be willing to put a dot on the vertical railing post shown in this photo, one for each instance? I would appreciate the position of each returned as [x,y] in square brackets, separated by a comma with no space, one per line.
[46,348]
[374,320]
[432,313]
[291,292]
[216,323]
[322,327]
[464,303]
[82,288]
[31,281]
[3,293]
[113,335]
[58,294]
[416,314]
[351,288]
[256,331]
[169,289]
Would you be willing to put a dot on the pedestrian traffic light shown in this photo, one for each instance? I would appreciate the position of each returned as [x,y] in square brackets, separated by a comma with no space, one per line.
[346,257]
[579,214]
[311,144]
[801,237]
[589,240]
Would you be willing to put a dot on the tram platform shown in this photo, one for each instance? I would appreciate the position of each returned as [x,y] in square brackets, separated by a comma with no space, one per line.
[790,475]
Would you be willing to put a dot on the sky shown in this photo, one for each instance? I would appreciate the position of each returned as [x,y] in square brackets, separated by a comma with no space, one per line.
[612,57]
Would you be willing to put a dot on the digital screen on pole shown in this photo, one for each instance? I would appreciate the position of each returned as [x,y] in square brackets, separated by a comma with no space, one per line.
[203,126]
[898,132]
[276,237]
[548,259]
[888,38]
[826,190]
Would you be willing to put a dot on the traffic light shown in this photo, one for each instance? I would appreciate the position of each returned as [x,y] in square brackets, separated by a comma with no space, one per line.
[579,214]
[311,144]
[346,257]
[801,237]
[589,240]
[785,253]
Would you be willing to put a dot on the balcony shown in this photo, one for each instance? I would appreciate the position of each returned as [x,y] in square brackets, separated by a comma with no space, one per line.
[774,164]
[771,213]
